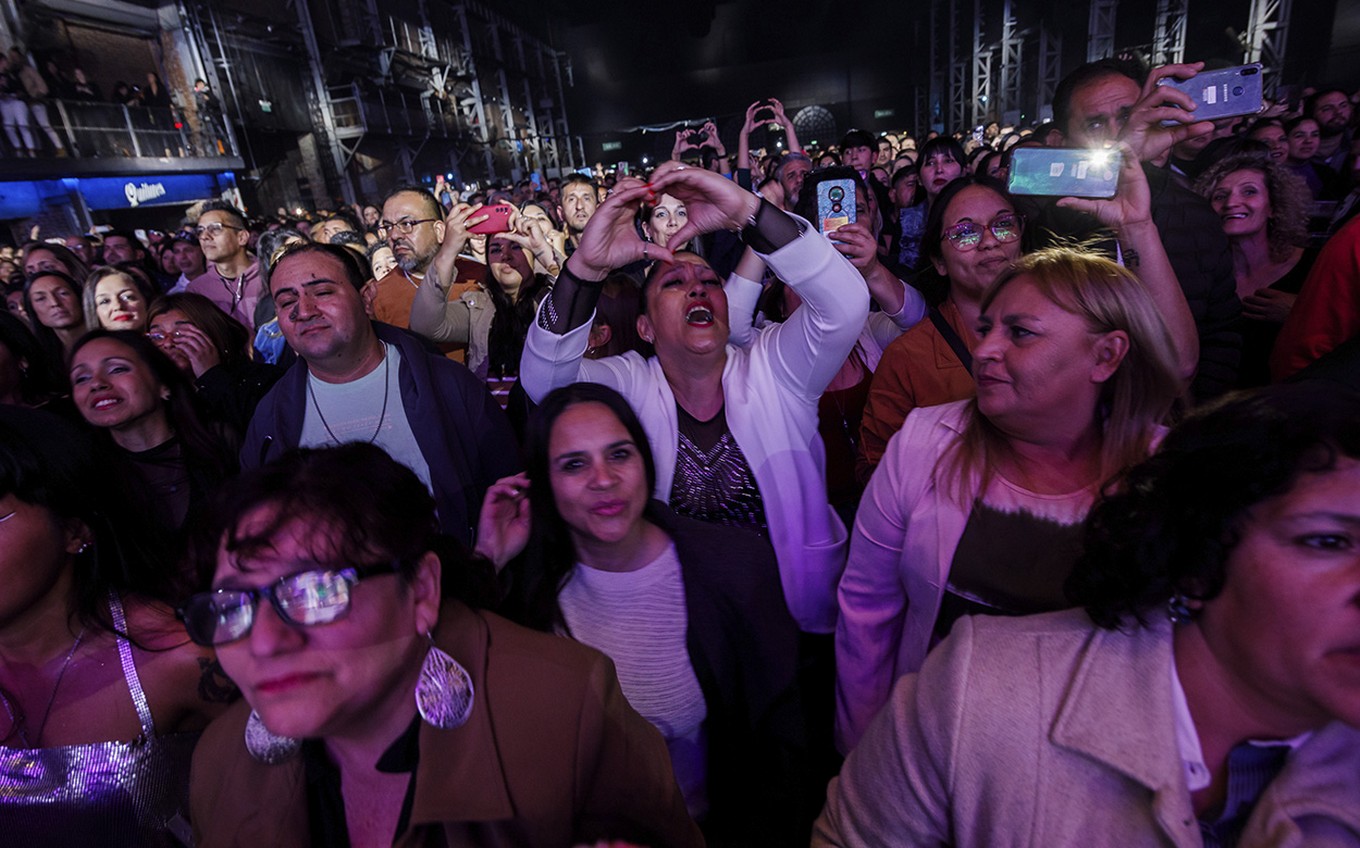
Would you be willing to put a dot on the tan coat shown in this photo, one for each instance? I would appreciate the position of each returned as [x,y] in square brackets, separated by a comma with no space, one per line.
[552,755]
[1046,731]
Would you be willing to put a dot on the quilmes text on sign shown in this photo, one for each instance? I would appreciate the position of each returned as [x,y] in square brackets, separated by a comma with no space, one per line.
[137,194]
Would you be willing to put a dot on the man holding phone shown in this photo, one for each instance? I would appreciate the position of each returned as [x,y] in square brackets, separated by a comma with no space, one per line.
[1112,100]
[413,224]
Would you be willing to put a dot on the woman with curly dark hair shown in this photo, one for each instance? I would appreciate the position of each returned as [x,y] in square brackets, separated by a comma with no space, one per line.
[1209,692]
[1264,209]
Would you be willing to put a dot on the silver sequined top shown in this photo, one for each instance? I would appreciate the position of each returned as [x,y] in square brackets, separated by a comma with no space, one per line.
[110,794]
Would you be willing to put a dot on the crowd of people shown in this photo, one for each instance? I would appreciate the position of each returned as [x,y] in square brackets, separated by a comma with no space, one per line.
[29,89]
[981,519]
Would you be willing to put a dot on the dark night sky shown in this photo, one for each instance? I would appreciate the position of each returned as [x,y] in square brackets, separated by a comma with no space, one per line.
[645,62]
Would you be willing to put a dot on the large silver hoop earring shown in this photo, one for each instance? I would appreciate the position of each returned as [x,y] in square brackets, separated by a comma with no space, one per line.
[267,746]
[444,691]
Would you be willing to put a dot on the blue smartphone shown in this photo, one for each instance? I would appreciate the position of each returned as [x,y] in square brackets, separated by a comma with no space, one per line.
[1062,172]
[835,204]
[1226,93]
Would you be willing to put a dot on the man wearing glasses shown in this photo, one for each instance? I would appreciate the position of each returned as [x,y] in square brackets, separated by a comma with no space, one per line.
[413,225]
[232,280]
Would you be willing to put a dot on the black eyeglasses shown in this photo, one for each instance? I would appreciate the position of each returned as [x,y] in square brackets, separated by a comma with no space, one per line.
[307,598]
[403,227]
[966,235]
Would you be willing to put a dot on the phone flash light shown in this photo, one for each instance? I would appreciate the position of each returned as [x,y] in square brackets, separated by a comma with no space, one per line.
[1100,158]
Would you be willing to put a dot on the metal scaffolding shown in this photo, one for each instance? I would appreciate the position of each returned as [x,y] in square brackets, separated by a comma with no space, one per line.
[981,100]
[939,81]
[1050,69]
[1168,40]
[1101,42]
[1266,35]
[958,74]
[1012,61]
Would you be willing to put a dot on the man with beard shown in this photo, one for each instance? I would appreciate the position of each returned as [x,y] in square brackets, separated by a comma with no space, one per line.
[579,199]
[1331,108]
[792,170]
[413,225]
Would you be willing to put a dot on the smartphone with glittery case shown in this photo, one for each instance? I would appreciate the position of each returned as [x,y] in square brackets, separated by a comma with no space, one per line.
[835,204]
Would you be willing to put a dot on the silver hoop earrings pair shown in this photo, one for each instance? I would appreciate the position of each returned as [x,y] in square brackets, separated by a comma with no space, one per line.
[444,697]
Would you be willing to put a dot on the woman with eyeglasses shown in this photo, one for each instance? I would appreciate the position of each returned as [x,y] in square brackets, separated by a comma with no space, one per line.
[212,349]
[977,504]
[381,707]
[102,697]
[974,234]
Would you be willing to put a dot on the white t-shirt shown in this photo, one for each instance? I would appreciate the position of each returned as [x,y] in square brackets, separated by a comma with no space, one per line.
[638,619]
[355,412]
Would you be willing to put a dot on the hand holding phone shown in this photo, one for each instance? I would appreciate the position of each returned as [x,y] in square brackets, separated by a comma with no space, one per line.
[835,204]
[1064,172]
[498,220]
[1226,93]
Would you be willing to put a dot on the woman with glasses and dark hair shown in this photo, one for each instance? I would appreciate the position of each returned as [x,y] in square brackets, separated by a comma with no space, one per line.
[102,697]
[213,350]
[1209,692]
[973,236]
[977,504]
[706,651]
[380,708]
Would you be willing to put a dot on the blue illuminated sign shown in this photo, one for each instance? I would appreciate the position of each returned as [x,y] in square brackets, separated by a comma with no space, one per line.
[27,199]
[150,190]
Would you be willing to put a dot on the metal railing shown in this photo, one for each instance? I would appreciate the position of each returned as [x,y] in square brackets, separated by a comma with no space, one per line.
[106,130]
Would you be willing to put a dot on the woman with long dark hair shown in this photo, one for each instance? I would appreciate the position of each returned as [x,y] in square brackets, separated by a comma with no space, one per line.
[213,350]
[102,697]
[491,320]
[692,614]
[124,385]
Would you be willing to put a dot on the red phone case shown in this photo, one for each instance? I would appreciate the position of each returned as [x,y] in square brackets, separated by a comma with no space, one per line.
[499,221]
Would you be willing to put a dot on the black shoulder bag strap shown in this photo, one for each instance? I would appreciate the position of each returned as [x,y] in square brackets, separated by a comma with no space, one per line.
[952,338]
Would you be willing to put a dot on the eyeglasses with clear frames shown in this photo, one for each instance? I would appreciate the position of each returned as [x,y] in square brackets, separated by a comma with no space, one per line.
[404,227]
[967,235]
[213,230]
[308,598]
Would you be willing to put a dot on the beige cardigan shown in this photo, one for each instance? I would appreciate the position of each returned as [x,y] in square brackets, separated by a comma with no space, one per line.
[1048,731]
